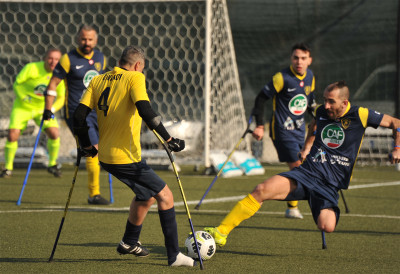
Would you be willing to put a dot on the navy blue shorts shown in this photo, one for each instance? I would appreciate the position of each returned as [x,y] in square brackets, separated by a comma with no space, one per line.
[91,121]
[319,194]
[288,150]
[139,177]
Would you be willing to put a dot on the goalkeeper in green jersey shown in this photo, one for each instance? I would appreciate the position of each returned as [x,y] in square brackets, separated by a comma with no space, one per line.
[29,86]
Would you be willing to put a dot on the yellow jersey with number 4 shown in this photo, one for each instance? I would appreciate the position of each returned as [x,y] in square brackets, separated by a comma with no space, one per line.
[114,95]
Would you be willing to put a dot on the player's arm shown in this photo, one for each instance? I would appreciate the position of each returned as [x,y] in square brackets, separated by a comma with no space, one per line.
[60,99]
[81,130]
[153,121]
[49,97]
[258,113]
[27,72]
[312,127]
[393,123]
[267,92]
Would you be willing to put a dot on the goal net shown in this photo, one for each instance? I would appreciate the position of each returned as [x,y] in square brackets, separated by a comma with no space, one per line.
[191,71]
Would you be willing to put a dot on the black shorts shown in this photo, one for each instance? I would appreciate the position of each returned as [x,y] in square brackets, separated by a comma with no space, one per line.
[139,177]
[319,194]
[288,150]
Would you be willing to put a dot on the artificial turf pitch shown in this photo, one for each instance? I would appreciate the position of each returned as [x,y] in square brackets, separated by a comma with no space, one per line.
[366,240]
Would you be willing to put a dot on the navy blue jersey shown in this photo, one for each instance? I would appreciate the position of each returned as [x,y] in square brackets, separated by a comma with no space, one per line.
[337,143]
[78,70]
[292,94]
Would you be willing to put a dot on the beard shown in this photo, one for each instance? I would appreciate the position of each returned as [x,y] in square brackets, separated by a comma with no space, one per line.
[86,49]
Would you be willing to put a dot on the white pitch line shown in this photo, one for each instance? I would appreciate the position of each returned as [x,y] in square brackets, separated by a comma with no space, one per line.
[375,185]
[126,209]
[206,201]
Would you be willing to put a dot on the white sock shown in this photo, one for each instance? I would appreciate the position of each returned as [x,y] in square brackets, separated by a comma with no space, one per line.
[182,260]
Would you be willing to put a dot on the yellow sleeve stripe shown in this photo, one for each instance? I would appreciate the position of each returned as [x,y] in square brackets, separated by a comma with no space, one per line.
[277,81]
[65,63]
[105,63]
[363,113]
[313,84]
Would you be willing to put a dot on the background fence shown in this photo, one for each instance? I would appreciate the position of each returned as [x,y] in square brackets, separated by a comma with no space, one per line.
[355,41]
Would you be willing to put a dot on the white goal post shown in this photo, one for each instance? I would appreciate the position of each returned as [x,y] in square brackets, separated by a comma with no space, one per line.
[191,71]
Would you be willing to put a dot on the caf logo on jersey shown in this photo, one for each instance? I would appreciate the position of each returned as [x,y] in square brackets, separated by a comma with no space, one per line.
[332,136]
[89,76]
[298,104]
[40,89]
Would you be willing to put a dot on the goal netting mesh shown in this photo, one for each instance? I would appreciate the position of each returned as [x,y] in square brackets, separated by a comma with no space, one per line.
[174,36]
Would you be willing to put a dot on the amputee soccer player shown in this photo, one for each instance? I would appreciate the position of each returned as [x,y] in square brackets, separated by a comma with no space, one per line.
[292,92]
[330,152]
[29,88]
[121,102]
[78,67]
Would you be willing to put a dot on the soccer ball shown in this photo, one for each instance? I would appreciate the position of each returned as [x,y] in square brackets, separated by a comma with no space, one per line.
[205,242]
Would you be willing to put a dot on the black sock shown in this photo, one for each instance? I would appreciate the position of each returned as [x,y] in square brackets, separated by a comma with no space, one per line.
[132,233]
[170,230]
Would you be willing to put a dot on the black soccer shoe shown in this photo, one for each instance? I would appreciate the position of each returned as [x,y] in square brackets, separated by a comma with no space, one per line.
[55,170]
[136,249]
[97,200]
[6,173]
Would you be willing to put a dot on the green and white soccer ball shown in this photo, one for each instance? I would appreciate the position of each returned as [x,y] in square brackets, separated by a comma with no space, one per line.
[205,242]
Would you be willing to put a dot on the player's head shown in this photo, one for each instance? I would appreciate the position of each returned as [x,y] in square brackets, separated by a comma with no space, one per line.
[336,99]
[87,39]
[132,59]
[301,58]
[51,59]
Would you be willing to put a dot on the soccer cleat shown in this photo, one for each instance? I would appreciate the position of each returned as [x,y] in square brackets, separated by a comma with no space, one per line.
[55,170]
[6,173]
[97,200]
[135,249]
[220,239]
[183,260]
[293,213]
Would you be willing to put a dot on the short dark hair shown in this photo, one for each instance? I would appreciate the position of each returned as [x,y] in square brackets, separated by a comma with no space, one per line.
[131,55]
[341,85]
[301,46]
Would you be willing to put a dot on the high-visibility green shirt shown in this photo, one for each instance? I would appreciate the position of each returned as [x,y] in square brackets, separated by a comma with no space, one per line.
[31,83]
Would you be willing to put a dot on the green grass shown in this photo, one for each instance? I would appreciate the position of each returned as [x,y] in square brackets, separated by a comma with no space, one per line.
[366,240]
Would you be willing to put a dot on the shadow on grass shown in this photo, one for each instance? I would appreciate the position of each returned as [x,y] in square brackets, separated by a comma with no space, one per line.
[46,260]
[154,249]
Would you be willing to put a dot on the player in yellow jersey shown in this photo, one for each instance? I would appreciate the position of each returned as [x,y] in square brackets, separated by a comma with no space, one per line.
[29,87]
[121,102]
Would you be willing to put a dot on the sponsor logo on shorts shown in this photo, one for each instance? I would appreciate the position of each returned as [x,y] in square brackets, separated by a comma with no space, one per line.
[332,136]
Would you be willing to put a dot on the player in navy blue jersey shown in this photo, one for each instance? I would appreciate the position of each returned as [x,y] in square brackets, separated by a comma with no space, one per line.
[292,92]
[330,152]
[78,67]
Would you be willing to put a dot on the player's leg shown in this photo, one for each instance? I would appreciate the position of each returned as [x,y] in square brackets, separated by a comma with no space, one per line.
[293,210]
[147,184]
[10,150]
[130,243]
[287,151]
[166,212]
[327,220]
[19,118]
[274,188]
[53,146]
[92,164]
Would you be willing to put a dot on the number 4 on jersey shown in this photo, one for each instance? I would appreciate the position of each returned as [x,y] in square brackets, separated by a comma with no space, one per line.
[102,103]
